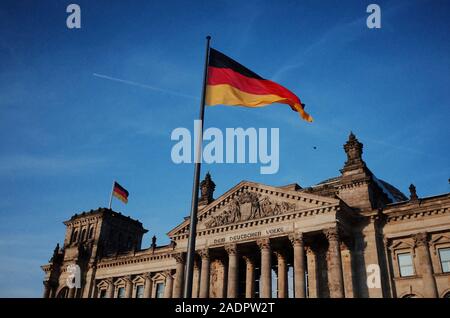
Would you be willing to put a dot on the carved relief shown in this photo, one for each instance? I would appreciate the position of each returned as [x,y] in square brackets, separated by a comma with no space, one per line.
[248,206]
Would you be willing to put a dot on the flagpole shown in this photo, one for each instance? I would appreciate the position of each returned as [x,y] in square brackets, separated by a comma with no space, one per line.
[194,206]
[110,197]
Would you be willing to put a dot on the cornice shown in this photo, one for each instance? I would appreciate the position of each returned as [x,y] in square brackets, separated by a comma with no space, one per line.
[257,222]
[415,214]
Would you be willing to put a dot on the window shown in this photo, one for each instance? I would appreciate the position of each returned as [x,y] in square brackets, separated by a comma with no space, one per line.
[91,233]
[159,290]
[74,236]
[121,292]
[102,293]
[444,256]
[140,291]
[83,235]
[405,264]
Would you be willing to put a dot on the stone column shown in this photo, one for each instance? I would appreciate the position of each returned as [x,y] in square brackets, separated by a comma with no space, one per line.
[46,289]
[266,268]
[204,278]
[249,277]
[179,278]
[311,263]
[335,276]
[299,265]
[429,287]
[128,287]
[196,279]
[282,275]
[233,271]
[148,286]
[222,281]
[110,291]
[168,288]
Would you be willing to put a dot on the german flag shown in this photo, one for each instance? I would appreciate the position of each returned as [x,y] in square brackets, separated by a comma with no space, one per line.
[230,83]
[120,192]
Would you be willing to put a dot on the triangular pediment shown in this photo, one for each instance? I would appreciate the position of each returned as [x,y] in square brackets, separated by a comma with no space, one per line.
[402,244]
[440,239]
[248,201]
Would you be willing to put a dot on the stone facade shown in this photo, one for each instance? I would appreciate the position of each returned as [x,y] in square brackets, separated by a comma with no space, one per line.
[350,236]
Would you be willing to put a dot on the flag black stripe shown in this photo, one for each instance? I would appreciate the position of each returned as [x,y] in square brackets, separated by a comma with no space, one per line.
[220,60]
[118,186]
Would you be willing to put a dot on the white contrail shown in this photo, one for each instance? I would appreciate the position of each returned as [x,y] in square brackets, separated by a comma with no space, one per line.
[157,89]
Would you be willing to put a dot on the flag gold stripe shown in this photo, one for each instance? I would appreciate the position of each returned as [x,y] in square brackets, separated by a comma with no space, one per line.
[120,197]
[225,94]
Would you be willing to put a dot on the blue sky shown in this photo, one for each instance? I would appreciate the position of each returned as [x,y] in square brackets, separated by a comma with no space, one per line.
[66,134]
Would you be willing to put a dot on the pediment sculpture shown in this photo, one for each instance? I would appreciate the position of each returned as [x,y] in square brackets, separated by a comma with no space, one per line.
[248,206]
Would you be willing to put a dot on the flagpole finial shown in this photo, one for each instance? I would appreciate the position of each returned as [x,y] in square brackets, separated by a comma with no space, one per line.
[208,37]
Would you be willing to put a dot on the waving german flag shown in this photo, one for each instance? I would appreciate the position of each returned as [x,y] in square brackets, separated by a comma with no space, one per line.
[230,83]
[120,192]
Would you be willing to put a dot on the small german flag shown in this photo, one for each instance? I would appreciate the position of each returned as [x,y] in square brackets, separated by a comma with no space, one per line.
[120,192]
[230,83]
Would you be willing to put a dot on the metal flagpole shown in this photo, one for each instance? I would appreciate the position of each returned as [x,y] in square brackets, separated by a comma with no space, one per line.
[194,206]
[110,197]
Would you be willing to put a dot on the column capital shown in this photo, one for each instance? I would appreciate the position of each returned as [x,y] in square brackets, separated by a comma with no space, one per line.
[280,254]
[179,257]
[249,259]
[204,253]
[309,250]
[296,238]
[167,273]
[332,234]
[421,239]
[148,275]
[264,244]
[127,278]
[231,249]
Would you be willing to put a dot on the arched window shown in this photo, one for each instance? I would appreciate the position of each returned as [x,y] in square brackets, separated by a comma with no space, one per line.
[74,236]
[83,235]
[63,293]
[410,296]
[91,233]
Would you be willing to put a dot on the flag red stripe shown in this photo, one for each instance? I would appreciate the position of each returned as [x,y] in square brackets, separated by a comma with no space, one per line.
[217,76]
[120,192]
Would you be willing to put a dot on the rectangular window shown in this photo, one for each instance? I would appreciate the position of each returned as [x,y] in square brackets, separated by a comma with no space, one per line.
[405,264]
[444,256]
[159,290]
[140,291]
[102,293]
[121,292]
